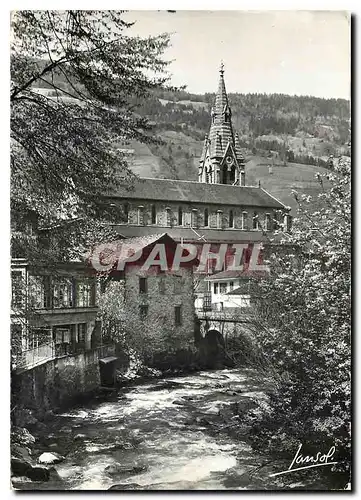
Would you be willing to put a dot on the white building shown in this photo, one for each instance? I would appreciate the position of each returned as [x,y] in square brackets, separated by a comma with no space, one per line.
[230,289]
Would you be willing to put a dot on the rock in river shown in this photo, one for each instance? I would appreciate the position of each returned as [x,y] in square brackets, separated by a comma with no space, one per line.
[50,458]
[124,469]
[23,468]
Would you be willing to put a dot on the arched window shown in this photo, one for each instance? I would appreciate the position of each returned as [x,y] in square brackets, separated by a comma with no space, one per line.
[231,218]
[255,221]
[154,215]
[180,216]
[169,217]
[206,217]
[140,215]
[219,219]
[194,219]
[244,220]
[268,222]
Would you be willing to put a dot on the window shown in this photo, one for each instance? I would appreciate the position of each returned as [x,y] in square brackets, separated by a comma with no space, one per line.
[161,285]
[223,288]
[180,216]
[255,221]
[219,219]
[140,215]
[287,223]
[215,288]
[62,334]
[17,288]
[244,220]
[48,292]
[37,291]
[194,217]
[85,293]
[168,214]
[243,178]
[81,333]
[178,315]
[268,222]
[143,286]
[154,215]
[63,293]
[126,211]
[177,285]
[143,311]
[231,286]
[206,217]
[231,218]
[276,220]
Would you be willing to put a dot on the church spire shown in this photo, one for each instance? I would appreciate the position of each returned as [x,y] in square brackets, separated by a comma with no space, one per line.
[221,102]
[221,160]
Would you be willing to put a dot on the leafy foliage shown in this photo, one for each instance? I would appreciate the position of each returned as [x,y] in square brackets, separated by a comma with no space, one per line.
[65,152]
[303,328]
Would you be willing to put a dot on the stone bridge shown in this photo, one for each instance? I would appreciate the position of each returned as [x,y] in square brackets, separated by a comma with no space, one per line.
[224,321]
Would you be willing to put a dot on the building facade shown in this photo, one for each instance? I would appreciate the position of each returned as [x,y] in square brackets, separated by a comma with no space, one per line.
[52,313]
[159,302]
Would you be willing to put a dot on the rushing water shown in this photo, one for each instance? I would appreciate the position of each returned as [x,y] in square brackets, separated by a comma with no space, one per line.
[158,436]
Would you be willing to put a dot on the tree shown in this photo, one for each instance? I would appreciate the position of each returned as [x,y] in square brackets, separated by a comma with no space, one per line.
[75,76]
[302,327]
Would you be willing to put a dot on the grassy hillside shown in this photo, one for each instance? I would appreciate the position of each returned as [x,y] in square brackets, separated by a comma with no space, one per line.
[279,180]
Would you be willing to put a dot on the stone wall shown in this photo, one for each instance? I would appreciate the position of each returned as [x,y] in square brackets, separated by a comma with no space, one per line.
[56,383]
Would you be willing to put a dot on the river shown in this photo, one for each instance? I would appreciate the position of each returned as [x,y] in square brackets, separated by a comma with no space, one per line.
[160,435]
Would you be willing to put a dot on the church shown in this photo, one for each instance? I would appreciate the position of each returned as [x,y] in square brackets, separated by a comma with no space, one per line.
[218,208]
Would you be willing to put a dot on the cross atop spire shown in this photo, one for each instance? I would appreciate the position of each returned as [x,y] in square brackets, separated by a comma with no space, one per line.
[221,69]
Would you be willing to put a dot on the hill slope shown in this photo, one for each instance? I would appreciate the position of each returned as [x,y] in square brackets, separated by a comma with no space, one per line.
[299,132]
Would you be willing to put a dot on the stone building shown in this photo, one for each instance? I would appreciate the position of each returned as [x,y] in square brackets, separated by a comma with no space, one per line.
[159,301]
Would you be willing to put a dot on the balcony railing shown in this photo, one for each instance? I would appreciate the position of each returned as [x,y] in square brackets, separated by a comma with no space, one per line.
[35,356]
[30,358]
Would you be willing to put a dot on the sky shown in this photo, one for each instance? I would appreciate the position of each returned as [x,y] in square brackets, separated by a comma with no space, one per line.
[290,52]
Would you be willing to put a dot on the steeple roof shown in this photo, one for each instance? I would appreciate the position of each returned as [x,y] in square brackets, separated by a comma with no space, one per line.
[221,131]
[221,98]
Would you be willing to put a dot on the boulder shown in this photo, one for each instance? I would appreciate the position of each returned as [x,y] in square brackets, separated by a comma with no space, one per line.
[23,468]
[38,473]
[116,469]
[22,436]
[21,452]
[20,467]
[50,458]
